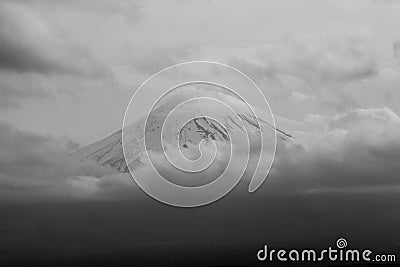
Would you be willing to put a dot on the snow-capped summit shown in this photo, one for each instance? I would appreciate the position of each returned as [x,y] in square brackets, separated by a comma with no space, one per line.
[180,122]
[109,151]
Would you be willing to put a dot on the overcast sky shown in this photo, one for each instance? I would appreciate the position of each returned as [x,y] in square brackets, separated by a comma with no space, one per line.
[69,68]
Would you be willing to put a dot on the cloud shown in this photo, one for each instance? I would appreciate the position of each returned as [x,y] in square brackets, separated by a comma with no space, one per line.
[340,57]
[385,2]
[396,49]
[15,87]
[357,151]
[354,151]
[39,59]
[28,43]
[159,58]
[103,8]
[34,166]
[299,97]
[35,52]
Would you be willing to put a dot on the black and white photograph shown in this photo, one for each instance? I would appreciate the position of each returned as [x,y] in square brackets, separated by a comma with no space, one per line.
[199,133]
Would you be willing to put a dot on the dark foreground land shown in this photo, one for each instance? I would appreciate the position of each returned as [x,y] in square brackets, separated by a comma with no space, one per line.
[226,233]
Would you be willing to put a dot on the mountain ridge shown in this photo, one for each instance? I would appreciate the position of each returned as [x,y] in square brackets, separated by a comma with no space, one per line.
[109,151]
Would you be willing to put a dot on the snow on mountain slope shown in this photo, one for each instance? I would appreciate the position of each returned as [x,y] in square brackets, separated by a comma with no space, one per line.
[109,151]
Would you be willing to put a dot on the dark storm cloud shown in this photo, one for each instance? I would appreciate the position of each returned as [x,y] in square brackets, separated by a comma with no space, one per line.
[28,43]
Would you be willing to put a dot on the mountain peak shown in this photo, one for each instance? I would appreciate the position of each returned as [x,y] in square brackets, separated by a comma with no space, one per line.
[109,151]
